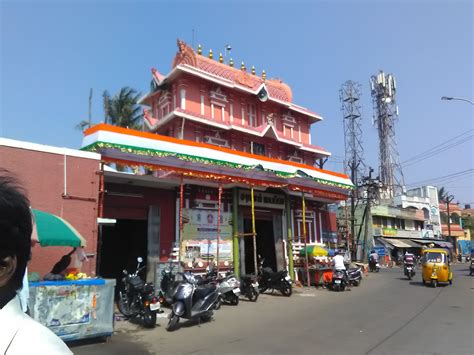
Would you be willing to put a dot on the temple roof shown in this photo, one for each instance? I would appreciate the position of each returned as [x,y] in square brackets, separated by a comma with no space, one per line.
[196,63]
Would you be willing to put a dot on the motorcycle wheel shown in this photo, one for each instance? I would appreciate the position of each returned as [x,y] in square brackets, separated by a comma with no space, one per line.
[252,295]
[124,305]
[377,270]
[172,323]
[234,301]
[409,276]
[207,317]
[434,283]
[149,319]
[218,303]
[286,289]
[357,283]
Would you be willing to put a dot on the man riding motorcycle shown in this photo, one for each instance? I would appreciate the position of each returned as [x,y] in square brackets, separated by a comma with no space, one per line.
[373,259]
[338,265]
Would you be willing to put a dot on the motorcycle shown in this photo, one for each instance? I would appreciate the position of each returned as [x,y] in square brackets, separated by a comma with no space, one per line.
[269,279]
[137,298]
[192,301]
[354,276]
[374,265]
[409,270]
[339,282]
[249,287]
[228,286]
[168,285]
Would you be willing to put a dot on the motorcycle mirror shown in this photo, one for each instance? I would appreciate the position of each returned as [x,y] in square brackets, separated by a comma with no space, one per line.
[139,259]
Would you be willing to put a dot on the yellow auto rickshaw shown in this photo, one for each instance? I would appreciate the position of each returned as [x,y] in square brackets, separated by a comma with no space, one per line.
[436,268]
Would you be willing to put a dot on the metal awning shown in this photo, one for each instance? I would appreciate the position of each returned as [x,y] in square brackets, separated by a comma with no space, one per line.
[400,243]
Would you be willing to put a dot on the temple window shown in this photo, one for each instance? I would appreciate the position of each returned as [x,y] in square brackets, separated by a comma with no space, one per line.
[182,95]
[257,148]
[231,109]
[252,112]
[202,105]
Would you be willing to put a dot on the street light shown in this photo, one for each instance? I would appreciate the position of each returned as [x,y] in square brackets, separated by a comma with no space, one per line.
[449,98]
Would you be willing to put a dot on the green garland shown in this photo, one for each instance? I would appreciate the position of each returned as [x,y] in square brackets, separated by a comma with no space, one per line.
[98,146]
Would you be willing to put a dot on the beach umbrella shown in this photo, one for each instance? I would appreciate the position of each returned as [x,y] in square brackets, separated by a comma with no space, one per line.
[51,230]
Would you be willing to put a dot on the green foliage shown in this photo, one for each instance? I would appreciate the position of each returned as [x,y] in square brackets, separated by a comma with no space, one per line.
[122,109]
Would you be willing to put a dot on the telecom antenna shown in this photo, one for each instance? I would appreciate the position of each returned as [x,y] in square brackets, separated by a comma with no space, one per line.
[383,88]
[350,94]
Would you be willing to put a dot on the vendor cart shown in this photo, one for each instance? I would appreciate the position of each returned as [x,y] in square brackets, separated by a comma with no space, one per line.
[75,309]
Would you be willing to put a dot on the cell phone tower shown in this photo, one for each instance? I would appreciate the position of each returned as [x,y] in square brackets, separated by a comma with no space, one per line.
[350,94]
[383,88]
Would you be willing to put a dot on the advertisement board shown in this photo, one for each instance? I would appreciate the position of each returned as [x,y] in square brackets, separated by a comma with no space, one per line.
[199,239]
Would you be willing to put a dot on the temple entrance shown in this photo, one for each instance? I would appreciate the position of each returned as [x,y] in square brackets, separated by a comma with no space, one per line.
[265,244]
[120,246]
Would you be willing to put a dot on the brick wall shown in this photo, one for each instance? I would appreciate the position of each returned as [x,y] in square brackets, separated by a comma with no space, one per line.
[42,175]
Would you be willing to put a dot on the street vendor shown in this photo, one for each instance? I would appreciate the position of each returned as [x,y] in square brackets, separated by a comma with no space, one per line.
[19,334]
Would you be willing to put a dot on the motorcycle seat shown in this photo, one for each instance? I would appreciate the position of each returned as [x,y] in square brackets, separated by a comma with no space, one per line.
[204,291]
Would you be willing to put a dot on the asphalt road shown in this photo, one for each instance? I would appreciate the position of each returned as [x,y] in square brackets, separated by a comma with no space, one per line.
[387,314]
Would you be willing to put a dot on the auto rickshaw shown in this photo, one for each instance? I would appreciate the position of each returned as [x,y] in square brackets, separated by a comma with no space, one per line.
[436,268]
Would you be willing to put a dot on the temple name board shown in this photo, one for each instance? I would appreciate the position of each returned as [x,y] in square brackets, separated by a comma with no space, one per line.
[262,199]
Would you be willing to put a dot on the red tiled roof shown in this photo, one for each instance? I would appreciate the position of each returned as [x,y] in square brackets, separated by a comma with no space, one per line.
[277,89]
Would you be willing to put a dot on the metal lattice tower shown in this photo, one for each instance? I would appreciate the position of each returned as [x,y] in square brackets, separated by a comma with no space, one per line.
[350,95]
[383,88]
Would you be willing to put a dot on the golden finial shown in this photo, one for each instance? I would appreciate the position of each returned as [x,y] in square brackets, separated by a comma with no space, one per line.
[199,49]
[242,66]
[231,62]
[210,53]
[253,69]
[221,58]
[264,75]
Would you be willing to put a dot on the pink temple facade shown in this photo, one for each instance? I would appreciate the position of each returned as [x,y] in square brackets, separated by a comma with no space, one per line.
[205,100]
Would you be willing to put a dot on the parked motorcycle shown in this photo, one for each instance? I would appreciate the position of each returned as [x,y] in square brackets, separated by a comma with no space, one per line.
[137,298]
[354,276]
[249,287]
[191,301]
[269,279]
[339,282]
[168,285]
[228,286]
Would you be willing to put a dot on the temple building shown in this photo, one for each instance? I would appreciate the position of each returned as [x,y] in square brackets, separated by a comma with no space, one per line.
[225,172]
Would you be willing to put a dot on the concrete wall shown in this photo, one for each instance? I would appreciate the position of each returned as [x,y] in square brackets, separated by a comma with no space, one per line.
[42,175]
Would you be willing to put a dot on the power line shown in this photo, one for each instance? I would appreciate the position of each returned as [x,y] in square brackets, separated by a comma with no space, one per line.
[458,174]
[430,153]
[437,146]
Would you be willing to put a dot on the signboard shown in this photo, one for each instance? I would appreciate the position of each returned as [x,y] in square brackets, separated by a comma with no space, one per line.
[199,240]
[380,251]
[262,199]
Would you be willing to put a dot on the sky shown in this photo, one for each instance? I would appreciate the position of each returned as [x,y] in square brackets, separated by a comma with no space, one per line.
[53,52]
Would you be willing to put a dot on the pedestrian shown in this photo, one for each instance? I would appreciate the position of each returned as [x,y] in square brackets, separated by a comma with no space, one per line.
[19,334]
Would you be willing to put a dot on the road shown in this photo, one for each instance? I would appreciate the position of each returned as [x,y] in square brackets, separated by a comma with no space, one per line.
[387,314]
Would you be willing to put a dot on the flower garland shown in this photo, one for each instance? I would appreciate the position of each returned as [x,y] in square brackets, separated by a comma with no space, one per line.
[98,146]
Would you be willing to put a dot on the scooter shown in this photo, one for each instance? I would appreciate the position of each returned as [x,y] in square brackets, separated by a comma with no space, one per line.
[354,276]
[409,270]
[228,286]
[137,298]
[269,279]
[191,301]
[339,282]
[249,287]
[168,285]
[374,265]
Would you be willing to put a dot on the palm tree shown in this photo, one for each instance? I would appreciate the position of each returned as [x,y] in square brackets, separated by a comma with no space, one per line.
[123,109]
[442,194]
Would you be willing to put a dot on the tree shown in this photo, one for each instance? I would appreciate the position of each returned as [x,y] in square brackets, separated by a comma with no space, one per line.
[123,109]
[442,195]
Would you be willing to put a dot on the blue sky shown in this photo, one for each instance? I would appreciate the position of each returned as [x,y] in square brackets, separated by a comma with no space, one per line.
[52,53]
